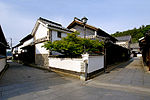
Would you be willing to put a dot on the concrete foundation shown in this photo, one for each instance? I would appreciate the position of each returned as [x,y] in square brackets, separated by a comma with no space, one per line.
[42,60]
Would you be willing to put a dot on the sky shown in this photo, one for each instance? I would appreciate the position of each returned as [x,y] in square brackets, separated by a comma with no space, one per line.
[18,17]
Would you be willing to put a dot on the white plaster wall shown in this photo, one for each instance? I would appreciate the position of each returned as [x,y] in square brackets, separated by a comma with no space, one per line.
[19,49]
[2,63]
[76,64]
[139,55]
[123,44]
[54,35]
[28,42]
[41,32]
[95,63]
[66,63]
[14,50]
[40,49]
[119,43]
[81,31]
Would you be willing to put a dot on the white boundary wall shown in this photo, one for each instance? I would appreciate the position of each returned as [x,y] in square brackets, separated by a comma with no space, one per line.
[2,63]
[78,64]
[95,63]
[73,64]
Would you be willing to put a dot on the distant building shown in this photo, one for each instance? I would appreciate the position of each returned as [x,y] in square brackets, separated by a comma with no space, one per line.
[135,47]
[25,50]
[3,47]
[124,41]
[16,51]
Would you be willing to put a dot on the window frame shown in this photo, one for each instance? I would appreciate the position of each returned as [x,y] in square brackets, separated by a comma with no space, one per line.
[59,34]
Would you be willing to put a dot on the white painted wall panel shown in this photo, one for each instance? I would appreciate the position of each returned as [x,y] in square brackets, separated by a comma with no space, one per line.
[40,49]
[66,63]
[95,63]
[19,49]
[120,43]
[26,43]
[41,32]
[2,63]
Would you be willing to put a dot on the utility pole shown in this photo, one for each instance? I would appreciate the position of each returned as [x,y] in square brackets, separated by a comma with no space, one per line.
[11,43]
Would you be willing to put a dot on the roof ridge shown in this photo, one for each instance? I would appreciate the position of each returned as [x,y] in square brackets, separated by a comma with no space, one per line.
[79,22]
[49,21]
[3,35]
[88,24]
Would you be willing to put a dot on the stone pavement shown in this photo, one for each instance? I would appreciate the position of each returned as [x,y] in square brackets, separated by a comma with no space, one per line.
[130,73]
[128,77]
[127,82]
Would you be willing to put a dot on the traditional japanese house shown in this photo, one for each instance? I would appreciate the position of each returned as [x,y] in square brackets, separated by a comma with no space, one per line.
[45,30]
[144,43]
[124,41]
[90,31]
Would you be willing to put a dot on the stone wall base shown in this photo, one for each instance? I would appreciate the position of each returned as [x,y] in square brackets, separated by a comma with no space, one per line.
[79,75]
[42,60]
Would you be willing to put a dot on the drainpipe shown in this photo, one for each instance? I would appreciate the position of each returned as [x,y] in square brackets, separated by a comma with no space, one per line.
[105,54]
[85,67]
[105,66]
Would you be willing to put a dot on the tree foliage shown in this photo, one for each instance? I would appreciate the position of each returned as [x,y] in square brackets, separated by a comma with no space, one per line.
[72,45]
[135,33]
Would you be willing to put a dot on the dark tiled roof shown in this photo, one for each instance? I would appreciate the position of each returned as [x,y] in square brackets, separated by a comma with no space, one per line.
[3,39]
[76,22]
[99,31]
[53,24]
[19,44]
[124,38]
[104,34]
[45,21]
[26,38]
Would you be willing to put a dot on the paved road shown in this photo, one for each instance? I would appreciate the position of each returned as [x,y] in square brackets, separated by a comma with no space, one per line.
[130,73]
[127,82]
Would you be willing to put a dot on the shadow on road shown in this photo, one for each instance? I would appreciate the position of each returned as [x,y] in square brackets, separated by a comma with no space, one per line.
[19,80]
[122,65]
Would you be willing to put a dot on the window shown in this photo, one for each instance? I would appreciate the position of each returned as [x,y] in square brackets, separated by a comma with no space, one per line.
[59,34]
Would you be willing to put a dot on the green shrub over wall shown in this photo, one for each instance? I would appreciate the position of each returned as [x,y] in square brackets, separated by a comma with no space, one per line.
[72,45]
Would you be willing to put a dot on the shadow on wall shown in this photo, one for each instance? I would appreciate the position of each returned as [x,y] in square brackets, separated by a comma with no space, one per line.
[115,53]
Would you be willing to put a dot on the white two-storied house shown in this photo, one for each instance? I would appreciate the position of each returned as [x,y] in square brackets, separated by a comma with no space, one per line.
[45,30]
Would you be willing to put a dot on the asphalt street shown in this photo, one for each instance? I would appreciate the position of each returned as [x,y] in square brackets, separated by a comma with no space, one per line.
[126,82]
